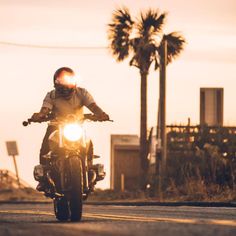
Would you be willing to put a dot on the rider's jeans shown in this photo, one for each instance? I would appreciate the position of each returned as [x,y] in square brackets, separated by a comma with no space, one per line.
[45,146]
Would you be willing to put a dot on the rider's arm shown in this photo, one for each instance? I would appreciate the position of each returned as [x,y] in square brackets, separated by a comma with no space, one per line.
[40,115]
[89,102]
[45,110]
[93,107]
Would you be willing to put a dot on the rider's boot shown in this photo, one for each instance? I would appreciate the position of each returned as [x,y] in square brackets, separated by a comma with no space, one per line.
[39,175]
[41,187]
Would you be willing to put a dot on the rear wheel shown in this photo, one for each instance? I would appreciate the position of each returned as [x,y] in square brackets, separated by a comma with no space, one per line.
[61,209]
[77,189]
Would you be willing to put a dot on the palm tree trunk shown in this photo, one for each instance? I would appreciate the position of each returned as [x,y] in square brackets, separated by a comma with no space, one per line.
[143,126]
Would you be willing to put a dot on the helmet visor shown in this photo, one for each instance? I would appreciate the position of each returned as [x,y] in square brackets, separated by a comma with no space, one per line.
[66,79]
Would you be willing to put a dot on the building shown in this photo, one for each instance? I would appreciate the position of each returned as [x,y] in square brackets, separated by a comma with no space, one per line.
[211,106]
[125,162]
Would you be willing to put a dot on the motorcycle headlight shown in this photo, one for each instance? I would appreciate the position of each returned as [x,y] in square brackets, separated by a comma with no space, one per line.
[72,132]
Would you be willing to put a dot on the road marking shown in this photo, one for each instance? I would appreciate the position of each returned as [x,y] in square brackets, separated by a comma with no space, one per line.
[133,218]
[158,219]
[30,212]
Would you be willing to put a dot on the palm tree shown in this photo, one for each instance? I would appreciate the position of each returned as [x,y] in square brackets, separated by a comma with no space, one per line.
[141,40]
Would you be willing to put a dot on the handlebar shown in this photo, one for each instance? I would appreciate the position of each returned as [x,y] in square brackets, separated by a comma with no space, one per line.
[91,117]
[29,121]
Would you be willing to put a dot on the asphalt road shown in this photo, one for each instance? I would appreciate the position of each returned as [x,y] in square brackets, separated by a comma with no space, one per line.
[34,220]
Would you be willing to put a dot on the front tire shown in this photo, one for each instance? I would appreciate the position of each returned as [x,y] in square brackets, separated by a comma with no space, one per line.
[61,209]
[76,198]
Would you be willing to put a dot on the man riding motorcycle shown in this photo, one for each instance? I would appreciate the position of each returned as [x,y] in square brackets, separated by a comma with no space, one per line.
[65,99]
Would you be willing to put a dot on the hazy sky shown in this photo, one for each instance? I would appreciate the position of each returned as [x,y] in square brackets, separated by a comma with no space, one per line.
[209,60]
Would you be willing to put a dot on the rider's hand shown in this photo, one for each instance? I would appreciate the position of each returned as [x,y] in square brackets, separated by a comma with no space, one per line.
[103,117]
[37,116]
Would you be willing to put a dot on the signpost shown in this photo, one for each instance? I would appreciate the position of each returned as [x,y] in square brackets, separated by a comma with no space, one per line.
[13,151]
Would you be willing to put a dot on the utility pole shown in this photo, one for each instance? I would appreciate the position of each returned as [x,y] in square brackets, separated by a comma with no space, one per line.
[158,180]
[161,152]
[163,62]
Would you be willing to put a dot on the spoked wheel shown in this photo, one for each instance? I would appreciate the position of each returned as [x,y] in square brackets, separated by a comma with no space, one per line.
[61,209]
[76,198]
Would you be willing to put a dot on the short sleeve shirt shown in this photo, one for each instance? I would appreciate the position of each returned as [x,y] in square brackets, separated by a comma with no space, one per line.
[74,105]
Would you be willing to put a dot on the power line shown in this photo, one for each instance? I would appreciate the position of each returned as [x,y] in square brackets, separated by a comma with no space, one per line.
[51,46]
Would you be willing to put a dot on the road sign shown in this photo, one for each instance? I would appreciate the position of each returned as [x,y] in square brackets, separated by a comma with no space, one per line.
[12,148]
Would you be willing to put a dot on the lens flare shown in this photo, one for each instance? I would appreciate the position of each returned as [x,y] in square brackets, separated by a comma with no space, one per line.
[72,132]
[68,80]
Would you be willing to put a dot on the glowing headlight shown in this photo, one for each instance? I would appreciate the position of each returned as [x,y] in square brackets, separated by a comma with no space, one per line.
[73,132]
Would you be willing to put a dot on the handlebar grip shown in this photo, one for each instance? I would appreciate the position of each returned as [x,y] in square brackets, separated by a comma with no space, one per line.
[26,123]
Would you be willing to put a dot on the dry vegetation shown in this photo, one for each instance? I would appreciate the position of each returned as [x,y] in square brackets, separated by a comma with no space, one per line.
[205,176]
[24,194]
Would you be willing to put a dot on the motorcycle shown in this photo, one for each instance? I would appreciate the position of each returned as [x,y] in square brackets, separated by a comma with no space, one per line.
[70,174]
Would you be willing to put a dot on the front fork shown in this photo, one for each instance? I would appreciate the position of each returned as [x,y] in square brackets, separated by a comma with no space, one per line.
[85,173]
[63,173]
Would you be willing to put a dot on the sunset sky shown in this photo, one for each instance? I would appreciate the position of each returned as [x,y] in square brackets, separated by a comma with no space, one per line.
[73,33]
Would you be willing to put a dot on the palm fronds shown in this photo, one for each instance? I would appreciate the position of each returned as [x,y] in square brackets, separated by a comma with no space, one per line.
[175,44]
[151,22]
[145,46]
[118,33]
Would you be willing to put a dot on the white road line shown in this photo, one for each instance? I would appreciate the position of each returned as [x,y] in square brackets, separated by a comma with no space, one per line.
[134,218]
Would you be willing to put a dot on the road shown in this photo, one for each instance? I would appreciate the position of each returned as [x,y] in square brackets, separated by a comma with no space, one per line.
[34,220]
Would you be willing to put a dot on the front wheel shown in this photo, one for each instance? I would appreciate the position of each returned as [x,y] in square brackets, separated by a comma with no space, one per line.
[61,209]
[76,197]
